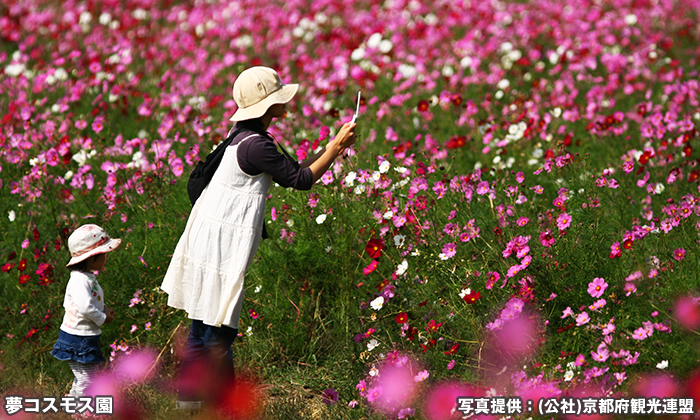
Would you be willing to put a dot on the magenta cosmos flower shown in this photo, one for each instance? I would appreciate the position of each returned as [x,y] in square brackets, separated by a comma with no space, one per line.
[563,221]
[679,254]
[597,287]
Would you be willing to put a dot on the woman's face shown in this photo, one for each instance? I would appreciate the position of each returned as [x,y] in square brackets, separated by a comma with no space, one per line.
[277,110]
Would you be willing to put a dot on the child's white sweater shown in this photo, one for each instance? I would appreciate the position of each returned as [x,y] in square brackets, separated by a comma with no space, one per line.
[84,303]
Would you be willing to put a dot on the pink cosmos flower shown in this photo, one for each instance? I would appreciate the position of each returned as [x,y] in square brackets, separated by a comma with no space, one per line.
[620,377]
[597,287]
[491,278]
[563,221]
[602,353]
[406,413]
[522,221]
[482,188]
[630,288]
[513,270]
[628,166]
[582,319]
[567,312]
[451,364]
[640,334]
[370,267]
[679,254]
[422,375]
[546,238]
[450,250]
[374,393]
[520,177]
[580,360]
[327,178]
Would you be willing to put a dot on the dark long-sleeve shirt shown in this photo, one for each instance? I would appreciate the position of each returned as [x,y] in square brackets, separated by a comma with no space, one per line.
[259,154]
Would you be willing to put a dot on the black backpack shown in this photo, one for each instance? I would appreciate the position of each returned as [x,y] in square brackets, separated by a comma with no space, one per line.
[204,171]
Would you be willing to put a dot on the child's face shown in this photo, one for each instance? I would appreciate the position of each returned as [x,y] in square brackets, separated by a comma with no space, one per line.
[97,262]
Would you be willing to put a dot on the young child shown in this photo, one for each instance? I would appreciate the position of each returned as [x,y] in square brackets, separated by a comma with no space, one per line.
[78,340]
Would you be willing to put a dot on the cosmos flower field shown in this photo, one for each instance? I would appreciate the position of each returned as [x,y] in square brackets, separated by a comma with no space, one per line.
[518,218]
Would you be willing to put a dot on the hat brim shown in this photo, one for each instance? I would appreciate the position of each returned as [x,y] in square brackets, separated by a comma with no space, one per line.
[282,96]
[109,246]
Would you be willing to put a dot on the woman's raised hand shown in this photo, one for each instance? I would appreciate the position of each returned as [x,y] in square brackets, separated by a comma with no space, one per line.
[346,135]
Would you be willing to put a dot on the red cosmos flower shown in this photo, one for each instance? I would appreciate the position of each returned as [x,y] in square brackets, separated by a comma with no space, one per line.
[456,142]
[627,244]
[456,99]
[453,349]
[12,256]
[24,278]
[423,105]
[45,281]
[566,328]
[401,318]
[22,265]
[7,267]
[35,232]
[44,270]
[471,297]
[31,332]
[644,158]
[374,247]
[411,333]
[432,326]
[694,176]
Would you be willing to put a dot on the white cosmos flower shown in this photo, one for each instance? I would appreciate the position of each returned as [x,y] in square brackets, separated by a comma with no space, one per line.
[402,268]
[388,215]
[663,364]
[11,215]
[377,303]
[569,375]
[384,167]
[399,240]
[371,345]
[360,189]
[350,179]
[321,218]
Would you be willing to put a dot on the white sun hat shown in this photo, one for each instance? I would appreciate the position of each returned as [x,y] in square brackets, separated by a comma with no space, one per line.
[89,240]
[256,89]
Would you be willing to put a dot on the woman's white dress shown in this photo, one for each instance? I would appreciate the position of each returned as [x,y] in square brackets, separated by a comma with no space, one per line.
[205,276]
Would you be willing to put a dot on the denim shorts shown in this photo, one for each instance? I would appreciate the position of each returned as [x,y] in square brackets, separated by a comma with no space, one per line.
[78,348]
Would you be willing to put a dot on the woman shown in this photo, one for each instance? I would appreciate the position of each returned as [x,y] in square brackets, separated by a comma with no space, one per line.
[205,276]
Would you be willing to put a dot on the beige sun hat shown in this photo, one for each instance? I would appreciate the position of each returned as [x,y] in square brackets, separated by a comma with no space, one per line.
[89,240]
[256,89]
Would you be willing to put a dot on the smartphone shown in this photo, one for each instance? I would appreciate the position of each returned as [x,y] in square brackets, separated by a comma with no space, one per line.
[357,111]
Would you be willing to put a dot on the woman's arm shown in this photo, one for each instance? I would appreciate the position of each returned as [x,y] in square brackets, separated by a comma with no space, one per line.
[320,162]
[311,159]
